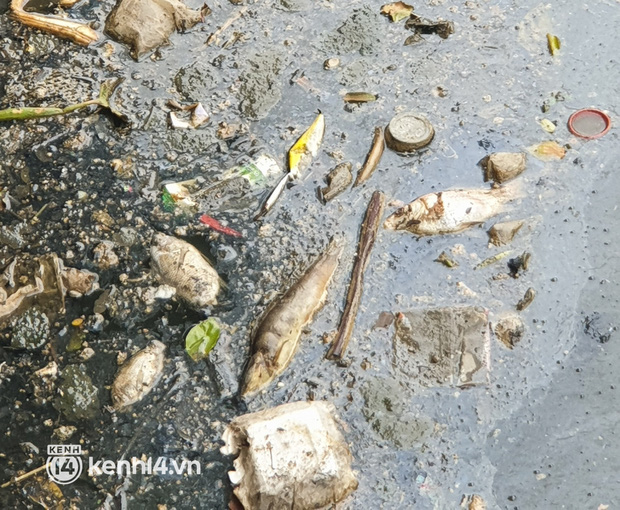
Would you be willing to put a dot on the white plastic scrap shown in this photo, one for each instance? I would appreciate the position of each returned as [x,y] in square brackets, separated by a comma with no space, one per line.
[292,456]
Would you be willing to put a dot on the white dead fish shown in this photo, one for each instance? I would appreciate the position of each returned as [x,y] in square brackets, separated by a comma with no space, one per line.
[448,212]
[180,265]
[138,376]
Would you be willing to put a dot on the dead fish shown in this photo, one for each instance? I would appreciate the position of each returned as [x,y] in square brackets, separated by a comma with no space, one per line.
[448,212]
[138,376]
[180,265]
[277,337]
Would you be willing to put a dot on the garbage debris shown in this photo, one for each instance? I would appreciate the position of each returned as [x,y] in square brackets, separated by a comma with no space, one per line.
[493,259]
[198,116]
[547,125]
[180,265]
[138,376]
[504,232]
[237,188]
[450,212]
[202,338]
[424,26]
[291,456]
[443,346]
[473,502]
[547,151]
[509,330]
[79,33]
[368,234]
[519,263]
[306,147]
[446,260]
[147,24]
[338,179]
[589,123]
[408,132]
[331,63]
[37,112]
[42,491]
[277,338]
[360,97]
[372,159]
[503,166]
[397,11]
[273,197]
[205,219]
[527,299]
[553,44]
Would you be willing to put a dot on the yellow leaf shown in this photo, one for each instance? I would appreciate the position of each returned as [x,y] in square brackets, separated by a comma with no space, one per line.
[306,147]
[397,11]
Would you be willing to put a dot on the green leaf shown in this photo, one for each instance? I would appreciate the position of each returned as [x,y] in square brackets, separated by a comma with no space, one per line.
[202,338]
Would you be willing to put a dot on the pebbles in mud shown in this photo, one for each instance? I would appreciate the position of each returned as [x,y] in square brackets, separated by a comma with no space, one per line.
[30,330]
[138,376]
[180,265]
[509,330]
[503,166]
[504,232]
[78,397]
[290,456]
[443,346]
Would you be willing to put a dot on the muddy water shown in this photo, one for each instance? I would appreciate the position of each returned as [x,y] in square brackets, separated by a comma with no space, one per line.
[482,88]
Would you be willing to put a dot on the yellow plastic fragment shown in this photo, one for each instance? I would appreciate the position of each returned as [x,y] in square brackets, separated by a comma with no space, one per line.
[306,147]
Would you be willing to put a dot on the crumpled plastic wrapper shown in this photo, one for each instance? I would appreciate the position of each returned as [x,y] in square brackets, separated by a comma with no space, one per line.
[292,456]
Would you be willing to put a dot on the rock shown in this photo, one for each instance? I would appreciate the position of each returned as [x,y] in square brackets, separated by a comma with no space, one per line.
[503,166]
[504,232]
[78,397]
[104,255]
[180,265]
[443,346]
[261,84]
[31,330]
[386,410]
[146,24]
[509,330]
[196,80]
[291,456]
[138,376]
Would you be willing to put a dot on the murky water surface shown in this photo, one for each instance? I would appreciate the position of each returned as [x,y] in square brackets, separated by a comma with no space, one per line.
[539,435]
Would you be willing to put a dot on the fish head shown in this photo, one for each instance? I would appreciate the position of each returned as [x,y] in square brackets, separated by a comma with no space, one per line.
[257,376]
[406,217]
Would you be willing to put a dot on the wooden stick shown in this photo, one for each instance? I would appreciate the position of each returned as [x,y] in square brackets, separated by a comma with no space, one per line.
[23,477]
[77,32]
[368,234]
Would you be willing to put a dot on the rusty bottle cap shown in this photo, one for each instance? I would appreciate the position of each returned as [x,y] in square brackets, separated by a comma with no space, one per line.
[408,132]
